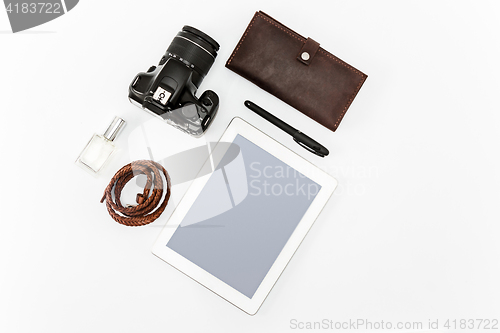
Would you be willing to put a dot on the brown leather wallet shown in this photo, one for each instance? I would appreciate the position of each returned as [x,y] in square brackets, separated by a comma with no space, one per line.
[296,70]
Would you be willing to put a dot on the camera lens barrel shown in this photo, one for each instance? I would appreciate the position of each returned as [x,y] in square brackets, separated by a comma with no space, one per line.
[195,48]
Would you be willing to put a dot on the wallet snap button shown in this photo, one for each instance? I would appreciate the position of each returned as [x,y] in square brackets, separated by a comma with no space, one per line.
[305,56]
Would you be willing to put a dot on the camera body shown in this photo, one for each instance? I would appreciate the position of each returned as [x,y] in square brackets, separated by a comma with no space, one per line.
[168,90]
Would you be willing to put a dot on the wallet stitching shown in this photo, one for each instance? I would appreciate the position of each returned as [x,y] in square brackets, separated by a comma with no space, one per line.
[342,62]
[302,39]
[350,101]
[242,39]
[328,54]
[248,29]
[282,28]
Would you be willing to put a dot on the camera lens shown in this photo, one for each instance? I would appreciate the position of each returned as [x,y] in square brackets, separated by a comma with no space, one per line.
[195,48]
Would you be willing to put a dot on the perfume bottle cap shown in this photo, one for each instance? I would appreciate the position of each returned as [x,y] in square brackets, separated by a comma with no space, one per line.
[114,128]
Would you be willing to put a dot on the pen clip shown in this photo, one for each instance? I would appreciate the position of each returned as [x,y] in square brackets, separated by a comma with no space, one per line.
[308,148]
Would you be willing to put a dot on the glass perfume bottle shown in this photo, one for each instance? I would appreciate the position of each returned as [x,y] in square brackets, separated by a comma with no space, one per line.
[100,148]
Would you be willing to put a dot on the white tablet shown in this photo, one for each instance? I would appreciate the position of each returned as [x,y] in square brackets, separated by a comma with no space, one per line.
[237,227]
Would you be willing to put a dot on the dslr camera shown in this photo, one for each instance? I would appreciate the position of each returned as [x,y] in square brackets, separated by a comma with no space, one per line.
[168,90]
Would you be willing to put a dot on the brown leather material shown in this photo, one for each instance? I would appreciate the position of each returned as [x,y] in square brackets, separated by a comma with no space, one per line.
[267,56]
[308,51]
[149,207]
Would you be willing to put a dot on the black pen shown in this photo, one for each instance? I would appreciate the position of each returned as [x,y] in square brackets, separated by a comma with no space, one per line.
[298,136]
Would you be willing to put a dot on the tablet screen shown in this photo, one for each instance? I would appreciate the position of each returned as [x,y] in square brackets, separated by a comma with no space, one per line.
[243,216]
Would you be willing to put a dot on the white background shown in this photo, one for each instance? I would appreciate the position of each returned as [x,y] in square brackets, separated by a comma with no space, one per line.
[411,234]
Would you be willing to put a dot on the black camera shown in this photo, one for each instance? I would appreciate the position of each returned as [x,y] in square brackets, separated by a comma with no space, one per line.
[168,90]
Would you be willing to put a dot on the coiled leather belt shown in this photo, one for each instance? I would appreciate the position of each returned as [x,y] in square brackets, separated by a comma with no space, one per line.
[148,206]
